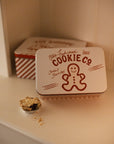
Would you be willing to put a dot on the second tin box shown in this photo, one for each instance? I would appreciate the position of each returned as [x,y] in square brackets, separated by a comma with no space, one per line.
[25,53]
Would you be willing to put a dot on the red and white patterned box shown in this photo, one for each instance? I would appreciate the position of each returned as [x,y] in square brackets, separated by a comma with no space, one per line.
[25,54]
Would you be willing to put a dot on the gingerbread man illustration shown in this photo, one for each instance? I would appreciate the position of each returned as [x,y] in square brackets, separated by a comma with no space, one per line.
[73,79]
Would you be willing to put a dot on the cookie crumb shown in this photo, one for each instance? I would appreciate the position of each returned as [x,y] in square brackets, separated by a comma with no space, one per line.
[40,121]
[35,117]
[30,103]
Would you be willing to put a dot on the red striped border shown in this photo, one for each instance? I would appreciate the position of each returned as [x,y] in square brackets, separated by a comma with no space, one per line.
[21,67]
[24,56]
[27,71]
[96,67]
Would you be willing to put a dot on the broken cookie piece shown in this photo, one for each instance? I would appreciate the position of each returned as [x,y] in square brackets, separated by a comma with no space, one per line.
[30,103]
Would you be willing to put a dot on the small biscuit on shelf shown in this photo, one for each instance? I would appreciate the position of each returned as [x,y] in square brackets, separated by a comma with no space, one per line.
[30,103]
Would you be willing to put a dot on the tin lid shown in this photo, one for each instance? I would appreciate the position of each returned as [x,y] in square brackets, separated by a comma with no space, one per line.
[31,45]
[70,71]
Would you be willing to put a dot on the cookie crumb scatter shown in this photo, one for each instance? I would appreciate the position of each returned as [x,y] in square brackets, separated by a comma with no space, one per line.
[40,121]
[35,117]
[30,103]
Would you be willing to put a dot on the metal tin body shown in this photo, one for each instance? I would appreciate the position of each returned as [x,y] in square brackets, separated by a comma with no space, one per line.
[70,71]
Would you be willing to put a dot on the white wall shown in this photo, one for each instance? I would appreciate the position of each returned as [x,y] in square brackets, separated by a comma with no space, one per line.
[89,20]
[69,18]
[23,20]
[105,30]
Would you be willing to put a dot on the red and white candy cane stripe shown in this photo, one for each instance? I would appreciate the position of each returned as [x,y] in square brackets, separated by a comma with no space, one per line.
[96,67]
[25,68]
[49,86]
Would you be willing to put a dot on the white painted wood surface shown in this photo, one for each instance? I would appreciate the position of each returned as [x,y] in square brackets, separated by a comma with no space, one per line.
[5,67]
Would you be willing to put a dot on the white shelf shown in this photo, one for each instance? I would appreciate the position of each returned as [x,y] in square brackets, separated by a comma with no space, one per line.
[65,120]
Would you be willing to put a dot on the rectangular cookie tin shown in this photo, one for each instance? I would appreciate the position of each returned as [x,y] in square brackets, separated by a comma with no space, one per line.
[70,71]
[25,54]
